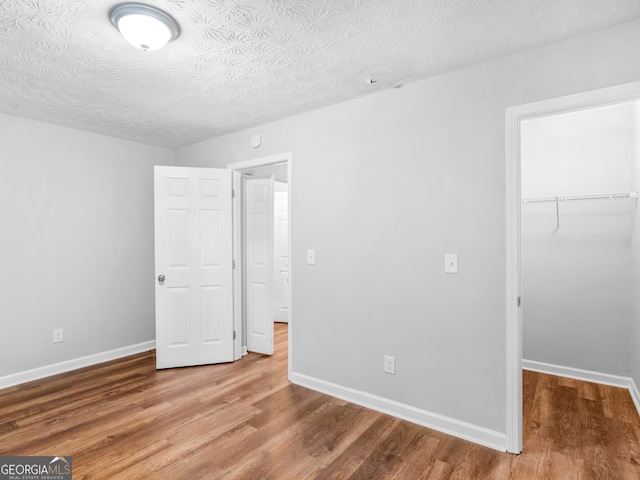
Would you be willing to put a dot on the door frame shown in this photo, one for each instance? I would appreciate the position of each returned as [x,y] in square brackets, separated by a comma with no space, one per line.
[514,117]
[238,245]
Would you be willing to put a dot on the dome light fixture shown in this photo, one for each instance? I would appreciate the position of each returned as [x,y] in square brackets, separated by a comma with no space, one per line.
[143,26]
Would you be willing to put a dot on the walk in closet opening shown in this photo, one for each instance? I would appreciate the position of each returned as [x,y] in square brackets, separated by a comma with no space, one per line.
[580,241]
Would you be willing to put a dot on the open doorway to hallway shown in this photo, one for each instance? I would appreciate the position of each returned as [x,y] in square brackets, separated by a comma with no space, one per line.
[277,169]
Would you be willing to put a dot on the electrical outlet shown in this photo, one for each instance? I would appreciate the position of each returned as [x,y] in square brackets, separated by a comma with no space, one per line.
[390,364]
[58,335]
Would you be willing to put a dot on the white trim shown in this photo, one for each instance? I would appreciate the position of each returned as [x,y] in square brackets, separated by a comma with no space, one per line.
[515,115]
[270,160]
[635,394]
[587,376]
[514,312]
[291,263]
[450,426]
[74,364]
[259,162]
[577,373]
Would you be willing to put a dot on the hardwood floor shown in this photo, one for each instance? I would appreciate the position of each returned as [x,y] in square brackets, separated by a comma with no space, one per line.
[125,420]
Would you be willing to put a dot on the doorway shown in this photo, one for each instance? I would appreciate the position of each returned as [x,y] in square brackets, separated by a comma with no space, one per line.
[280,168]
[199,252]
[514,312]
[578,202]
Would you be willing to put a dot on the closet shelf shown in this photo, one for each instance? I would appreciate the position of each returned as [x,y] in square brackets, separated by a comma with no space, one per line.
[570,198]
[596,196]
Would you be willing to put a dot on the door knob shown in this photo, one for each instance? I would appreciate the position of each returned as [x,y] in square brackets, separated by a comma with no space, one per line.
[161,278]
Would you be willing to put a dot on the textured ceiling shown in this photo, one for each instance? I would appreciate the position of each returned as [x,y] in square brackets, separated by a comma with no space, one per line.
[242,63]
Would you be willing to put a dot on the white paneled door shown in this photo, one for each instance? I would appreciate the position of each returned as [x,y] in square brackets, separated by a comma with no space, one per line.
[259,264]
[281,253]
[194,266]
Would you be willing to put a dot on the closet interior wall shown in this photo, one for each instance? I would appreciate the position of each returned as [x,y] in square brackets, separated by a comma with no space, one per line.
[580,258]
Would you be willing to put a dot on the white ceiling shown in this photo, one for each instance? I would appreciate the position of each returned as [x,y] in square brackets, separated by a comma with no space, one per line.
[242,63]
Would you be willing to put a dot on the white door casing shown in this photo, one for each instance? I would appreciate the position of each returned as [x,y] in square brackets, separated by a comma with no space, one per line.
[281,253]
[514,116]
[193,253]
[258,195]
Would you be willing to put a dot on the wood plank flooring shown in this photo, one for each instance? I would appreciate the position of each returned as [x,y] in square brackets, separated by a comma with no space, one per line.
[125,420]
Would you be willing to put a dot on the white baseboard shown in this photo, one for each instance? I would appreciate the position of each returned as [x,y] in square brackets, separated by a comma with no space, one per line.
[74,364]
[586,375]
[450,426]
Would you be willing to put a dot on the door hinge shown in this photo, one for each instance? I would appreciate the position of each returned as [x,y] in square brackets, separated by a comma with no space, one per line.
[234,334]
[233,193]
[233,262]
[518,301]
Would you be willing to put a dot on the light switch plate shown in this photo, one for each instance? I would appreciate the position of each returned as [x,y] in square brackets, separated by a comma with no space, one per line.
[311,257]
[450,263]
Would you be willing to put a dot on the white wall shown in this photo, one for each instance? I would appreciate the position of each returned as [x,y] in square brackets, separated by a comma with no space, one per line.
[383,186]
[576,278]
[635,252]
[76,243]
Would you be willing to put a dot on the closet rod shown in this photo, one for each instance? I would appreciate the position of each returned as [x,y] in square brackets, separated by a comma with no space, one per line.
[568,198]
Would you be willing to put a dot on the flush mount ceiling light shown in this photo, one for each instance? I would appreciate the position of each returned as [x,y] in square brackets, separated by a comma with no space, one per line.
[143,26]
